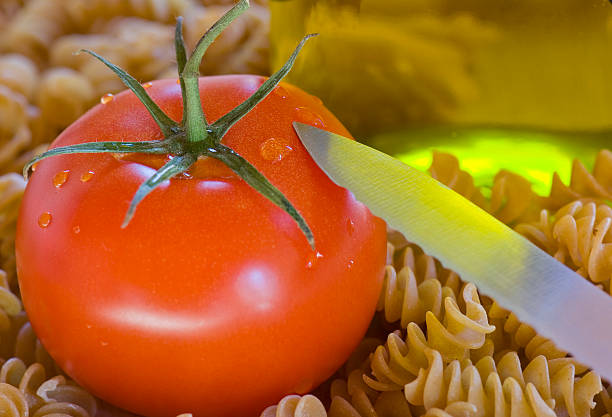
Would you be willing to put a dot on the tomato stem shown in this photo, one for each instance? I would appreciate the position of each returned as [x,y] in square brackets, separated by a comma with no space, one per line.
[193,137]
[168,126]
[152,147]
[255,179]
[195,123]
[181,60]
[175,166]
[225,122]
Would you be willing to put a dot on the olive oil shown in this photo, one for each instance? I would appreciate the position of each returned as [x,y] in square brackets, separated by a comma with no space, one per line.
[533,73]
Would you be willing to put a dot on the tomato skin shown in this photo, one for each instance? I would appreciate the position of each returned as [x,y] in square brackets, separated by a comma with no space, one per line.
[211,300]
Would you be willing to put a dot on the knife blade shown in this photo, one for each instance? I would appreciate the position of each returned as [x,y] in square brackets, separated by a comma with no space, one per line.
[557,302]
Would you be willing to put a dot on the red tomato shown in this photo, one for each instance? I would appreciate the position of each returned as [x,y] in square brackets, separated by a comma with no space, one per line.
[211,301]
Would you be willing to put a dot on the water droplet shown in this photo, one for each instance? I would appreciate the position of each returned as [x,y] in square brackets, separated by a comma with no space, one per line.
[34,166]
[313,257]
[76,230]
[274,149]
[60,178]
[307,116]
[106,98]
[89,326]
[87,176]
[351,262]
[281,91]
[147,84]
[44,219]
[103,343]
[350,226]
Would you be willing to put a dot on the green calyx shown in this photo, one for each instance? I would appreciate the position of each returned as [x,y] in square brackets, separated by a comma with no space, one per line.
[193,136]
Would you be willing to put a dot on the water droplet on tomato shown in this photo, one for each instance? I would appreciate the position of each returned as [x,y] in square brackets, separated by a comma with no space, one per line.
[60,178]
[44,219]
[350,226]
[281,91]
[106,98]
[313,258]
[34,166]
[87,176]
[351,262]
[307,116]
[147,84]
[76,230]
[274,149]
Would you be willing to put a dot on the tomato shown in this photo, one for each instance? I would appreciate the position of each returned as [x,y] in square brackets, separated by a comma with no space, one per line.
[210,301]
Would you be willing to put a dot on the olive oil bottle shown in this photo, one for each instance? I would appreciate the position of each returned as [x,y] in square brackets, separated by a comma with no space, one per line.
[476,77]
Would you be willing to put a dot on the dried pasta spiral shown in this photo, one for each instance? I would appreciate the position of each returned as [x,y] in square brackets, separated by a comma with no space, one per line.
[85,13]
[19,73]
[19,120]
[542,388]
[454,338]
[11,191]
[34,27]
[296,406]
[445,168]
[487,388]
[29,349]
[24,390]
[63,95]
[8,8]
[512,199]
[141,47]
[421,285]
[517,335]
[15,134]
[579,235]
[584,184]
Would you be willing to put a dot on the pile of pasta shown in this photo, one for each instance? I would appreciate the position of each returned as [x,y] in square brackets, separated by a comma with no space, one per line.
[44,86]
[438,348]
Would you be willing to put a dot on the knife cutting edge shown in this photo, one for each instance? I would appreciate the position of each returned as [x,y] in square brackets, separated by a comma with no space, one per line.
[557,302]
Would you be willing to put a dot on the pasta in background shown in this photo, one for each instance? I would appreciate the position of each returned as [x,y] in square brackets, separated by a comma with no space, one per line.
[584,185]
[44,87]
[493,365]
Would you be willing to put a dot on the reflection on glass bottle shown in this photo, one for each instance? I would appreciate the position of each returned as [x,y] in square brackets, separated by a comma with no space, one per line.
[382,64]
[375,67]
[495,79]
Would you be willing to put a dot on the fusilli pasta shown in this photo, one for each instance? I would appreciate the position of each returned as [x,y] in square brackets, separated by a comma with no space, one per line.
[24,390]
[579,235]
[460,388]
[48,87]
[584,184]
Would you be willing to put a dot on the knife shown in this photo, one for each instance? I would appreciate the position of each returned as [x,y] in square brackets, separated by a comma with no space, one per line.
[558,303]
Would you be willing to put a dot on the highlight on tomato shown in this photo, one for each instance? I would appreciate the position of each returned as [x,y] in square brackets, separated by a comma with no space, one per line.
[179,251]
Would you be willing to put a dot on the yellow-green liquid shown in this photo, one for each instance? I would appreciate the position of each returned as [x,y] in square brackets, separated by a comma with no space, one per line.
[409,76]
